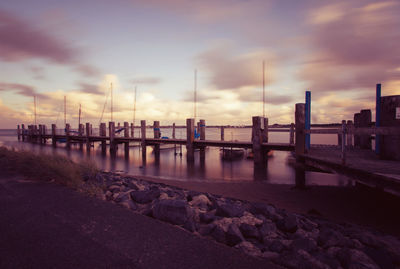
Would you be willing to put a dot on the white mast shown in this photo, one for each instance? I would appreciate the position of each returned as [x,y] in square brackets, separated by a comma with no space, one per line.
[263,70]
[195,93]
[111,102]
[134,107]
[65,110]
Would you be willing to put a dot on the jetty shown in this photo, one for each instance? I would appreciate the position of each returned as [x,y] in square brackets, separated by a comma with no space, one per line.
[353,155]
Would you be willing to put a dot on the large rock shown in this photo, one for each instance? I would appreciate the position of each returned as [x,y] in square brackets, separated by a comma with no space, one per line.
[229,209]
[172,211]
[146,196]
[249,248]
[233,235]
[268,229]
[329,238]
[200,201]
[250,231]
[288,223]
[306,244]
[300,260]
[206,229]
[264,209]
[207,217]
[355,259]
[219,234]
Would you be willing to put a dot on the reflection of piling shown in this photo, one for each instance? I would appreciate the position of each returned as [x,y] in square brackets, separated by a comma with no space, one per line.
[126,135]
[202,137]
[19,133]
[291,141]
[23,132]
[80,132]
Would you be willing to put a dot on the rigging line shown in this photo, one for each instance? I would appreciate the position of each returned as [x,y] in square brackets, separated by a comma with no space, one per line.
[104,107]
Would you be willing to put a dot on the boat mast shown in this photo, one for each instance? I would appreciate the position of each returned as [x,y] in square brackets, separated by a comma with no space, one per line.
[65,110]
[134,107]
[80,110]
[111,102]
[34,107]
[263,70]
[195,94]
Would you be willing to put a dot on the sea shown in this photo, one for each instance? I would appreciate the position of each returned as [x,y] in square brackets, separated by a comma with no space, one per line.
[281,166]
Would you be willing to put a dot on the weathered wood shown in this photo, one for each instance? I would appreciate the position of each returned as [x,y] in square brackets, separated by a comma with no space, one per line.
[357,117]
[291,139]
[190,139]
[81,131]
[365,121]
[222,133]
[19,133]
[67,134]
[173,130]
[265,130]
[157,135]
[143,139]
[44,133]
[349,131]
[257,140]
[300,126]
[126,134]
[23,132]
[40,134]
[88,136]
[111,130]
[132,130]
[202,138]
[53,135]
[343,146]
[390,144]
[35,132]
[103,133]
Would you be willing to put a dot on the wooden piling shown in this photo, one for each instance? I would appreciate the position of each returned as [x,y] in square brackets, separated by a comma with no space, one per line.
[44,133]
[53,135]
[19,133]
[103,133]
[222,133]
[349,131]
[40,134]
[357,125]
[291,138]
[190,140]
[67,134]
[81,130]
[173,130]
[300,126]
[257,140]
[143,139]
[23,132]
[35,133]
[126,134]
[132,130]
[343,146]
[157,135]
[87,136]
[202,137]
[265,131]
[365,121]
[111,130]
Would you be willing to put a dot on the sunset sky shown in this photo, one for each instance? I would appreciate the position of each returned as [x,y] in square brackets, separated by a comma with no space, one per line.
[338,50]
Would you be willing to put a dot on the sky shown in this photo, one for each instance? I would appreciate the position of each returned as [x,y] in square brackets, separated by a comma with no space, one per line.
[338,50]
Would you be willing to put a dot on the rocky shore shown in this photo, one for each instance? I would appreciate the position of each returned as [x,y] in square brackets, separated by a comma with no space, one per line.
[258,229]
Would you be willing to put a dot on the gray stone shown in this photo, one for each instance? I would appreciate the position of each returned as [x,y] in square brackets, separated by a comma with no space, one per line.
[276,246]
[144,197]
[268,229]
[329,238]
[123,196]
[129,204]
[288,223]
[355,259]
[305,244]
[207,217]
[264,209]
[327,259]
[300,260]
[229,210]
[172,211]
[249,231]
[200,201]
[219,234]
[206,229]
[233,235]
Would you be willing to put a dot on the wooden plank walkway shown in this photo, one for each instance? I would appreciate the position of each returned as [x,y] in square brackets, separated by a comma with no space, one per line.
[362,165]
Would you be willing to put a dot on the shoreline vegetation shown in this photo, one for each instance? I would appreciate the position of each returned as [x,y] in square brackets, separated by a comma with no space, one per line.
[258,229]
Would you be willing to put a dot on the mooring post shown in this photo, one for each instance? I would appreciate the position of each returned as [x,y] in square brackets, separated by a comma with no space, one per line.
[365,121]
[300,128]
[265,131]
[143,139]
[35,132]
[40,134]
[53,135]
[202,137]
[308,119]
[103,134]
[343,151]
[349,131]
[126,135]
[23,132]
[132,130]
[111,130]
[378,118]
[257,140]
[44,133]
[67,134]
[87,136]
[357,117]
[29,138]
[80,135]
[157,135]
[173,130]
[190,139]
[222,133]
[291,138]
[19,133]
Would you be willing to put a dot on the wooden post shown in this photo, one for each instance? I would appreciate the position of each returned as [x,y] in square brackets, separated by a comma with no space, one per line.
[157,135]
[202,137]
[265,131]
[257,140]
[308,119]
[103,134]
[132,130]
[143,139]
[300,127]
[173,130]
[365,121]
[40,134]
[190,139]
[35,132]
[222,133]
[80,134]
[29,133]
[378,118]
[44,133]
[126,134]
[339,139]
[53,135]
[343,151]
[111,130]
[19,133]
[23,132]
[67,130]
[357,117]
[291,139]
[349,130]
[87,136]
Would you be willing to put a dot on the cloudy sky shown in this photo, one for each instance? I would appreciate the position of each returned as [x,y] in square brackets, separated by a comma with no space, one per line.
[337,49]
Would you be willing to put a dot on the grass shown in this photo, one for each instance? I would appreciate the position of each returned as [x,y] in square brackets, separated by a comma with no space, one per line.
[49,168]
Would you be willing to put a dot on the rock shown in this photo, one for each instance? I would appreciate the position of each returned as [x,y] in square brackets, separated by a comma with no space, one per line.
[250,219]
[144,197]
[172,211]
[288,223]
[268,229]
[300,260]
[264,209]
[249,248]
[114,188]
[355,259]
[270,255]
[131,185]
[233,235]
[276,246]
[327,259]
[129,204]
[305,244]
[229,210]
[329,238]
[123,196]
[249,231]
[206,229]
[190,225]
[200,201]
[207,217]
[381,257]
[218,234]
[108,195]
[191,194]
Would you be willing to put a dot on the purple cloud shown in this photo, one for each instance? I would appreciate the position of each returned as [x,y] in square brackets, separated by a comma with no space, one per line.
[21,89]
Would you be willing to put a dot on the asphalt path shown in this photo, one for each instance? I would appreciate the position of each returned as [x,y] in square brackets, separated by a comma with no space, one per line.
[45,225]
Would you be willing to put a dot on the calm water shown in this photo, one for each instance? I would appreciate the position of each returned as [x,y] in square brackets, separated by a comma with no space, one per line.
[281,168]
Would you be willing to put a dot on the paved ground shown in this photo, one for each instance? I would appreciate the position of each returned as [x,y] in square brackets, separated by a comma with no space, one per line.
[43,225]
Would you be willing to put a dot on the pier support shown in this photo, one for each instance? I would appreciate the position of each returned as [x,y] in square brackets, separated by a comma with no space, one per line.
[103,134]
[132,130]
[365,121]
[81,132]
[143,140]
[111,130]
[265,131]
[291,136]
[19,133]
[53,135]
[349,131]
[190,140]
[87,136]
[202,137]
[126,134]
[23,132]
[157,135]
[222,133]
[343,146]
[300,127]
[44,133]
[67,134]
[257,138]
